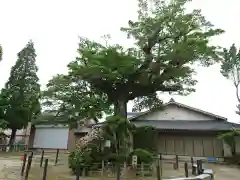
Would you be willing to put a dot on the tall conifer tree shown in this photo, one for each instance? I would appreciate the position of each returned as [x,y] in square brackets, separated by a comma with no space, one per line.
[22,91]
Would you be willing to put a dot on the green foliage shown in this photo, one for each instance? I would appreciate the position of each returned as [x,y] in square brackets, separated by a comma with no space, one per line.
[89,158]
[73,99]
[3,105]
[231,63]
[76,161]
[235,159]
[19,99]
[149,102]
[168,41]
[230,68]
[143,156]
[229,139]
[145,138]
[3,124]
[118,130]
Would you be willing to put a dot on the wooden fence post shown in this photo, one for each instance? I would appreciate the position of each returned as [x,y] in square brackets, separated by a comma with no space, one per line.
[56,160]
[193,168]
[24,164]
[42,156]
[142,169]
[158,169]
[78,173]
[199,167]
[28,165]
[161,164]
[45,169]
[186,169]
[177,161]
[102,169]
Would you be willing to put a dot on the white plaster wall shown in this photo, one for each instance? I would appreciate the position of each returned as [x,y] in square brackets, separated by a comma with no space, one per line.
[173,112]
[227,150]
[237,141]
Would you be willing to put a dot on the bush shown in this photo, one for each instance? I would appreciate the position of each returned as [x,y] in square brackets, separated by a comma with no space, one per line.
[71,159]
[89,158]
[143,156]
[76,161]
[234,159]
[145,138]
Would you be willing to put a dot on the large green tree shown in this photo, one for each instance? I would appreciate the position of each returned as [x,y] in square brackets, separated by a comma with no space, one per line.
[73,100]
[168,40]
[230,68]
[22,91]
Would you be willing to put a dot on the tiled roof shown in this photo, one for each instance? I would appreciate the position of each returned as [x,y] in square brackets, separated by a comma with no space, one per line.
[200,125]
[129,114]
[208,125]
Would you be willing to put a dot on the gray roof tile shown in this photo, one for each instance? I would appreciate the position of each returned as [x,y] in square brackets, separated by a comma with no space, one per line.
[210,125]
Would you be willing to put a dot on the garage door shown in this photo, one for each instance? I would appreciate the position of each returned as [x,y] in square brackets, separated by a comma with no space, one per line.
[52,138]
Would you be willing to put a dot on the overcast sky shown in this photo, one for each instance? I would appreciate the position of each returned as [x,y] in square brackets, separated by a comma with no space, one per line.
[54,27]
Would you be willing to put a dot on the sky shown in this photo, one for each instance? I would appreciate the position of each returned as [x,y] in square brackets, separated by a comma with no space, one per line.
[54,27]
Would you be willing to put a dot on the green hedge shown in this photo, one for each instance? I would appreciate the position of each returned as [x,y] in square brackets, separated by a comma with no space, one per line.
[143,156]
[145,138]
[90,160]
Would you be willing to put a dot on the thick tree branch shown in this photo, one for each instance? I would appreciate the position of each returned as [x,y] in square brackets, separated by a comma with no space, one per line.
[237,92]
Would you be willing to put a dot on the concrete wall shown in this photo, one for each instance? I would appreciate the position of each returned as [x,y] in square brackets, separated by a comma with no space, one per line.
[173,112]
[227,150]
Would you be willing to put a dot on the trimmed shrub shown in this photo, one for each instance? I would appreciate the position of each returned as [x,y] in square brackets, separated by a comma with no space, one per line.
[144,137]
[234,159]
[143,156]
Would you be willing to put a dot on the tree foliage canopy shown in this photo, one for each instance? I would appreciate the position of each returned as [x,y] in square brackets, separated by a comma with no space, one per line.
[72,99]
[230,68]
[20,98]
[168,41]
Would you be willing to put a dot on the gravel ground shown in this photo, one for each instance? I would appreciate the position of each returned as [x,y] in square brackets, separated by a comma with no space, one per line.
[10,170]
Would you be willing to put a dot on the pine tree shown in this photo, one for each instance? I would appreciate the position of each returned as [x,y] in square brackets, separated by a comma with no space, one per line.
[22,91]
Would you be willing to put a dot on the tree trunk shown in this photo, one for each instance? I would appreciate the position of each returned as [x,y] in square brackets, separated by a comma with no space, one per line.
[12,139]
[233,147]
[120,109]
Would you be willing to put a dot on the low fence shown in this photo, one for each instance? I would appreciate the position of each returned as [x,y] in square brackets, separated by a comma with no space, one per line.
[14,147]
[188,168]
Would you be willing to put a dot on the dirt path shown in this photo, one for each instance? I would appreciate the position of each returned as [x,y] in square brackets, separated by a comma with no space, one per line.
[225,172]
[9,169]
